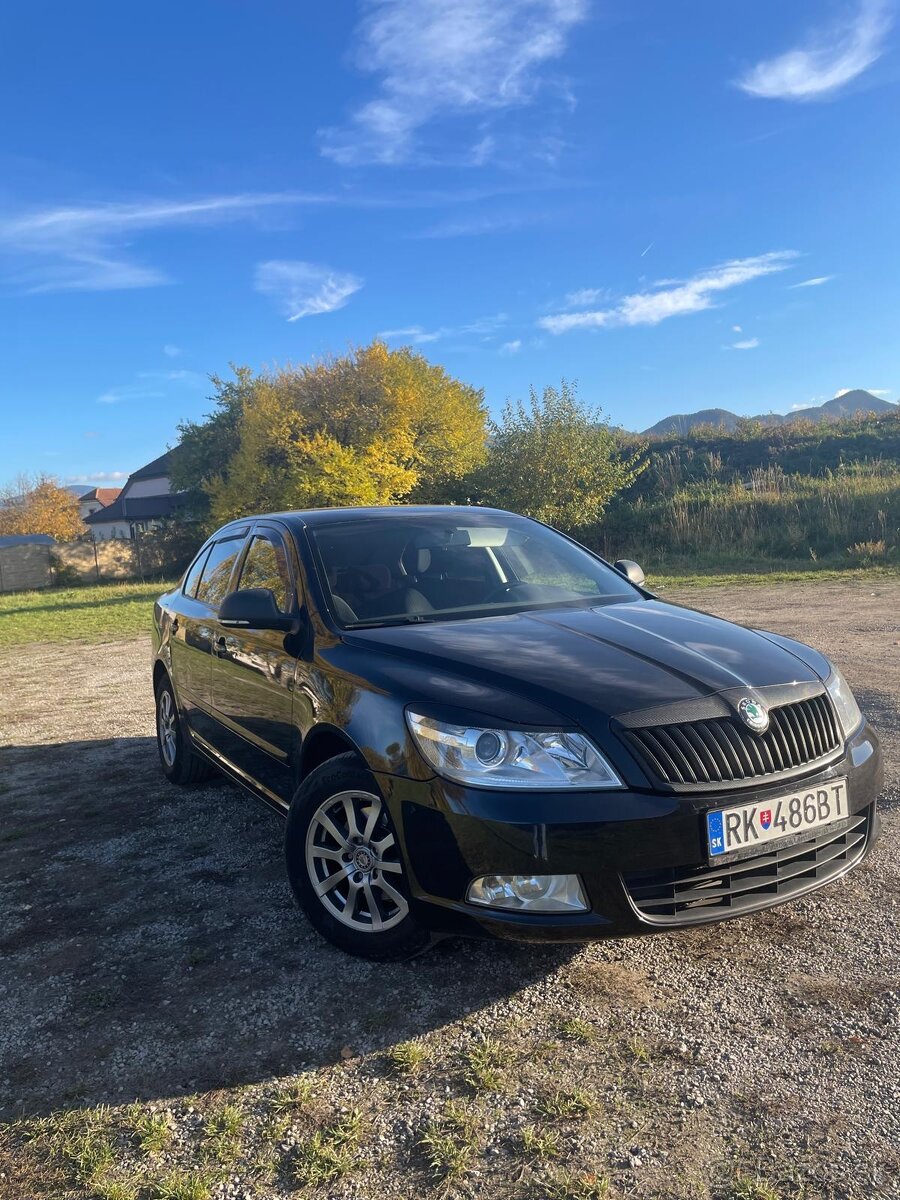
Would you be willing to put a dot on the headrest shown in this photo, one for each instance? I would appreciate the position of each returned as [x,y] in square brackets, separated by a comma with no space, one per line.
[416,559]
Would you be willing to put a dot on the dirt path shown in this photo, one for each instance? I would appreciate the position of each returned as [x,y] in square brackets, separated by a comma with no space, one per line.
[149,950]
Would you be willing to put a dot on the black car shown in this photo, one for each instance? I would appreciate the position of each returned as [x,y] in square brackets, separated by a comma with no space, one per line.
[474,725]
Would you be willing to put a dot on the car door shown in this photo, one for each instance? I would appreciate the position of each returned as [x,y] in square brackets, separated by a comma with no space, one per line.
[253,673]
[194,627]
[189,644]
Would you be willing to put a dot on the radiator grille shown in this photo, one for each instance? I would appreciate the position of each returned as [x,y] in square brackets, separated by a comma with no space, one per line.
[681,895]
[721,750]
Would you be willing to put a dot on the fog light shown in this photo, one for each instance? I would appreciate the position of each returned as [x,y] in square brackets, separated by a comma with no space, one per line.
[531,893]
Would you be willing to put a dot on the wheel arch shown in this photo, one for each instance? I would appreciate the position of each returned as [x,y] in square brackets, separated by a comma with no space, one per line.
[323,743]
[160,672]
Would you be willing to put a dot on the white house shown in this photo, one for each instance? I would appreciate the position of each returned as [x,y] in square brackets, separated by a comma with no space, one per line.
[145,502]
[92,501]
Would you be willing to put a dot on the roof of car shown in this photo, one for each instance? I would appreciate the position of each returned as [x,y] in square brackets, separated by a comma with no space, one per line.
[328,516]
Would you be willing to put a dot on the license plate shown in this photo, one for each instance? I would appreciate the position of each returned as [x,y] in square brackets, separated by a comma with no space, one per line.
[739,830]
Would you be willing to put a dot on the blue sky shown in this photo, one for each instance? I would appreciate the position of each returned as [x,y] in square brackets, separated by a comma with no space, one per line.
[677,205]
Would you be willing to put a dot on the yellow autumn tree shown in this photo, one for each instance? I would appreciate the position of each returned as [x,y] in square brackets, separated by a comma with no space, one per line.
[376,426]
[40,505]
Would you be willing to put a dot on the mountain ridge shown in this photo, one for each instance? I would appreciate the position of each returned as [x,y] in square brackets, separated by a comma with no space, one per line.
[856,400]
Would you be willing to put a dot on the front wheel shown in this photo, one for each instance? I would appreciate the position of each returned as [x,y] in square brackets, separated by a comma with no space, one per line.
[344,864]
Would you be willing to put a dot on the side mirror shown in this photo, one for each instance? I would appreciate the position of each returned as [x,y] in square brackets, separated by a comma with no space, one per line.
[632,572]
[254,608]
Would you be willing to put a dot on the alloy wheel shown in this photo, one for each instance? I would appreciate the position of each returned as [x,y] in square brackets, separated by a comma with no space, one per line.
[167,724]
[353,862]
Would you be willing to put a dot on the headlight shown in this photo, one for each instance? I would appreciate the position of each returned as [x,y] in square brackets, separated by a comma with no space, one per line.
[506,758]
[847,708]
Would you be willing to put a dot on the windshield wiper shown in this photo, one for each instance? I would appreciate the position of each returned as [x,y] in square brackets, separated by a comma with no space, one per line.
[410,619]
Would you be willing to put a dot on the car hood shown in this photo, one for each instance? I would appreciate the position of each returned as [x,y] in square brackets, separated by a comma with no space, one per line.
[613,659]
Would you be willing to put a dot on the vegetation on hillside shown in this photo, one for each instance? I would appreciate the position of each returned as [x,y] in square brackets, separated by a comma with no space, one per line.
[761,495]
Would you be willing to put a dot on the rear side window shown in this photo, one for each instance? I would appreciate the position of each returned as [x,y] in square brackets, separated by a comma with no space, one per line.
[190,580]
[266,567]
[217,570]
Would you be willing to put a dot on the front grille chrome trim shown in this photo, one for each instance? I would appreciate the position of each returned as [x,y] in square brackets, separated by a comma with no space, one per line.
[716,751]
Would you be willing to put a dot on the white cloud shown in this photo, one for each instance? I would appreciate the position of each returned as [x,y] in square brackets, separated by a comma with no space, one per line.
[736,329]
[171,351]
[513,347]
[583,296]
[417,335]
[746,344]
[831,59]
[673,298]
[83,248]
[437,58]
[303,289]
[817,282]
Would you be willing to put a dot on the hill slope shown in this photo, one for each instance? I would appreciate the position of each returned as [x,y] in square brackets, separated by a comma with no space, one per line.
[847,405]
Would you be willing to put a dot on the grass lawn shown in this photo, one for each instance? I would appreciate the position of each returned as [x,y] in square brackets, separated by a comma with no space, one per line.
[101,613]
[108,611]
[802,572]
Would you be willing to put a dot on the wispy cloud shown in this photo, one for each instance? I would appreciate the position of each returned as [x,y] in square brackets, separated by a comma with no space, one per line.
[673,298]
[746,344]
[153,385]
[831,58]
[98,477]
[129,392]
[85,248]
[584,296]
[817,282]
[417,335]
[171,351]
[479,226]
[510,348]
[438,58]
[304,289]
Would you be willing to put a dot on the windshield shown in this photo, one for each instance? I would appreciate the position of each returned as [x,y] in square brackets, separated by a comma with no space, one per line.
[399,569]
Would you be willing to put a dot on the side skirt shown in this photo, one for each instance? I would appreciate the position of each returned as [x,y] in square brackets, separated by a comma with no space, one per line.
[234,772]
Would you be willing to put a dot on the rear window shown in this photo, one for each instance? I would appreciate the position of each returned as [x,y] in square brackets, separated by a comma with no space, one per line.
[217,570]
[189,587]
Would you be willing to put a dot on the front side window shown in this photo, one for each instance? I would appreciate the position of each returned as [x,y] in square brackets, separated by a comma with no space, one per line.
[266,567]
[443,567]
[213,586]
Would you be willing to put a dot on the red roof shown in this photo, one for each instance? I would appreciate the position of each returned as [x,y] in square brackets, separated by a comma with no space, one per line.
[103,496]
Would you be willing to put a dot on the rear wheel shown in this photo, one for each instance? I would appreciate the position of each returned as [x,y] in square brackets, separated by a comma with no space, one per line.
[181,764]
[344,863]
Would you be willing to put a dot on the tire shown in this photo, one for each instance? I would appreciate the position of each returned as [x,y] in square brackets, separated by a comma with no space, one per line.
[345,867]
[181,764]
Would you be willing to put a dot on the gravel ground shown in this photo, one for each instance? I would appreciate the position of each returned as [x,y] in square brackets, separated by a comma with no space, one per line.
[152,961]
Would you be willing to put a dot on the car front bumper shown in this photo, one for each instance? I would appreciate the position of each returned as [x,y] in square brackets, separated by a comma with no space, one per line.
[624,845]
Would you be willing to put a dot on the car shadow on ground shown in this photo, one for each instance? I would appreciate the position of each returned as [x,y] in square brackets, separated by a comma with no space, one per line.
[150,947]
